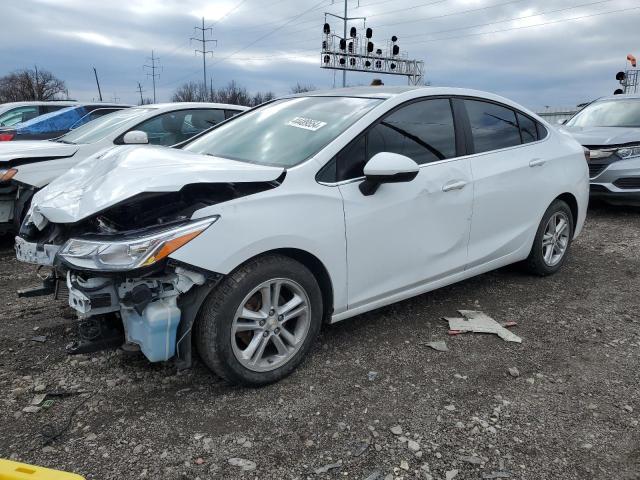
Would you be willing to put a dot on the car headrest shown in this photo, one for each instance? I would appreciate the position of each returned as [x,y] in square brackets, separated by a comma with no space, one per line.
[172,123]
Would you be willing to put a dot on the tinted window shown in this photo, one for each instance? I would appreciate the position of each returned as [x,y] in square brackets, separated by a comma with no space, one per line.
[231,113]
[422,131]
[492,126]
[51,108]
[18,115]
[175,127]
[528,130]
[351,159]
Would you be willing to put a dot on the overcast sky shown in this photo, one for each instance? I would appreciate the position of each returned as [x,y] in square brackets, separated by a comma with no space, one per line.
[494,45]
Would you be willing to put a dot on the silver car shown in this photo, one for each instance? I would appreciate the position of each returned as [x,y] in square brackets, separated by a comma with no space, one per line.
[610,129]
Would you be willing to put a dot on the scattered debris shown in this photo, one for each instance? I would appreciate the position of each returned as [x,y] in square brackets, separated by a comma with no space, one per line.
[514,372]
[451,474]
[471,459]
[38,399]
[450,408]
[243,463]
[377,475]
[628,408]
[39,338]
[372,376]
[478,322]
[328,467]
[404,465]
[397,430]
[413,445]
[438,345]
[31,409]
[359,448]
[492,475]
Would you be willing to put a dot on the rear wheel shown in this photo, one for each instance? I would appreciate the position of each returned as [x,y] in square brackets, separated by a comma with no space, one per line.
[260,323]
[552,240]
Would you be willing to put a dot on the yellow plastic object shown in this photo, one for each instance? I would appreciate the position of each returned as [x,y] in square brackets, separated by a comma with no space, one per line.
[21,471]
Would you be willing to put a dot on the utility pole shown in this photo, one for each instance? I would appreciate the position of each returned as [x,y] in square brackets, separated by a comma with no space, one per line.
[203,45]
[140,90]
[95,72]
[153,73]
[345,19]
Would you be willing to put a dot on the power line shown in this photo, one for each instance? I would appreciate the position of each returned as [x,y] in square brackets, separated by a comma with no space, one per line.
[262,37]
[204,51]
[153,73]
[230,12]
[552,22]
[509,19]
[406,9]
[472,10]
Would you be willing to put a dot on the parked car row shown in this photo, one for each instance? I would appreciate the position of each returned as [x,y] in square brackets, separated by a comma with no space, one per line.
[610,129]
[307,209]
[30,165]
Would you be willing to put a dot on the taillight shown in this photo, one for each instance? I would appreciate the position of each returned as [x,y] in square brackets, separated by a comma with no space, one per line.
[587,155]
[5,137]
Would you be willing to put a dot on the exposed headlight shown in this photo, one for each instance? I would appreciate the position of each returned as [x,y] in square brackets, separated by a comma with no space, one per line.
[628,152]
[131,253]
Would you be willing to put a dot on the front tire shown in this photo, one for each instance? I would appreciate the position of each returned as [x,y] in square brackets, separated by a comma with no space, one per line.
[552,241]
[260,322]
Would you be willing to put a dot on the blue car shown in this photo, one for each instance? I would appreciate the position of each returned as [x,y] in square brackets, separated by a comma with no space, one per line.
[54,124]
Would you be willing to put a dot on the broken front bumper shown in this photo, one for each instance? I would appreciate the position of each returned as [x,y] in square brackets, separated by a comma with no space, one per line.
[149,307]
[32,252]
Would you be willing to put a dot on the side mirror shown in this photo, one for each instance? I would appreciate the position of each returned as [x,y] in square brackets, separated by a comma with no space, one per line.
[386,167]
[135,137]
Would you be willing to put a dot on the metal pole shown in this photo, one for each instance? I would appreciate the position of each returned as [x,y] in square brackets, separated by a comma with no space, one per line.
[98,83]
[153,76]
[344,72]
[204,63]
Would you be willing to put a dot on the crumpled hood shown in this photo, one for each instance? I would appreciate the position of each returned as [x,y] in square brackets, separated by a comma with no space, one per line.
[35,149]
[604,135]
[119,173]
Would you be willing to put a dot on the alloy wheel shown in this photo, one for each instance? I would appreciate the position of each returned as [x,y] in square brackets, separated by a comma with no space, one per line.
[555,239]
[270,325]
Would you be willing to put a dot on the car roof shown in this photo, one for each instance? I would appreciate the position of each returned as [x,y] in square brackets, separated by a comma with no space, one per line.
[184,105]
[622,96]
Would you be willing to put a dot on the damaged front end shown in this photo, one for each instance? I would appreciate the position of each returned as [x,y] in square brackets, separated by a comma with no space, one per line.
[116,263]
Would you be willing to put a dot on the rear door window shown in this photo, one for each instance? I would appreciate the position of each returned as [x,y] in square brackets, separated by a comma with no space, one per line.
[528,130]
[174,127]
[492,126]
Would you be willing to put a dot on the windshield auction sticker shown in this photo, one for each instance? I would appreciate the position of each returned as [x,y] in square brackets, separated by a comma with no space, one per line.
[306,123]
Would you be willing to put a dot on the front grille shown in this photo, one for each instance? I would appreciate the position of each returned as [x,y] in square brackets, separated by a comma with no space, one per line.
[596,168]
[628,183]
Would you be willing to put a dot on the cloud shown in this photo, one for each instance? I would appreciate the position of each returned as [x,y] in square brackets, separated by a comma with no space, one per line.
[537,52]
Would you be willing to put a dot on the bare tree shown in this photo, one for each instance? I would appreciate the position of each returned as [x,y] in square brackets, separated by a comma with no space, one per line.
[190,92]
[232,93]
[31,84]
[302,87]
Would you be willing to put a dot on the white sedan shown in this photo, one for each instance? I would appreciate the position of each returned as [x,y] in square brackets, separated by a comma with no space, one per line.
[308,209]
[29,165]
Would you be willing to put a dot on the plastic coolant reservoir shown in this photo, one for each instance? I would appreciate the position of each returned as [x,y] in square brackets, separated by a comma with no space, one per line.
[154,330]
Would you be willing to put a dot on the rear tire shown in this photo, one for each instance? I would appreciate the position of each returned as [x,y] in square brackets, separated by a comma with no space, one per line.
[552,241]
[245,336]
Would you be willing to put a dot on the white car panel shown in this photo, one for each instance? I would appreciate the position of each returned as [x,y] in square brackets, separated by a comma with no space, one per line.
[418,217]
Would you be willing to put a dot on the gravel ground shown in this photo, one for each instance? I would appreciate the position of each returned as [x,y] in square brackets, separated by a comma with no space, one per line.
[570,411]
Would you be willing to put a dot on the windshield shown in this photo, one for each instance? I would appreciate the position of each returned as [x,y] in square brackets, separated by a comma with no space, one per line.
[97,129]
[609,113]
[283,133]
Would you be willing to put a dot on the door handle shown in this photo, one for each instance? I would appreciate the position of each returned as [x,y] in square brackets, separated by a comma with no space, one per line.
[537,162]
[458,185]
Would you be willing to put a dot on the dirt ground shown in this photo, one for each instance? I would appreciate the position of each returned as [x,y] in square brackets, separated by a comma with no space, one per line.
[372,401]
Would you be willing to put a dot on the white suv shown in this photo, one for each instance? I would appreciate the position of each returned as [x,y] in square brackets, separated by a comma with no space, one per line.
[310,208]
